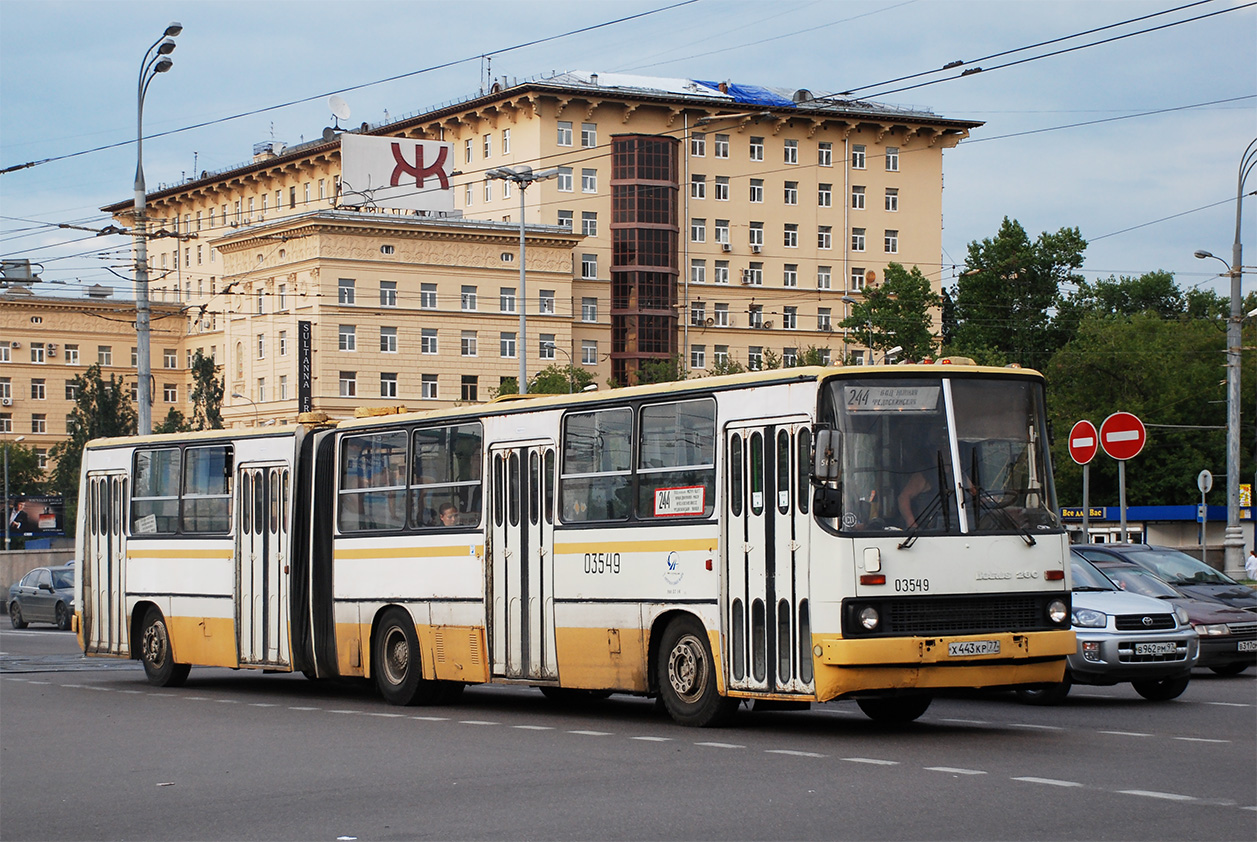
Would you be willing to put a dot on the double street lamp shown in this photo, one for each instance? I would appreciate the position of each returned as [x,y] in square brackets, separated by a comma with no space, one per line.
[156,60]
[521,176]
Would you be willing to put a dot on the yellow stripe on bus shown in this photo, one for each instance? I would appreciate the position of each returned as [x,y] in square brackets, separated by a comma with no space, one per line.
[178,552]
[639,546]
[410,552]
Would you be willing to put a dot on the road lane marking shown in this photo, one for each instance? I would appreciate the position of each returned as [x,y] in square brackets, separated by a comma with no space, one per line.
[196,698]
[345,711]
[263,705]
[1048,781]
[38,682]
[790,753]
[954,770]
[653,739]
[131,692]
[1200,740]
[1126,733]
[534,727]
[388,715]
[592,733]
[301,708]
[1230,704]
[432,718]
[228,701]
[968,721]
[720,745]
[871,760]
[1035,727]
[476,722]
[1164,796]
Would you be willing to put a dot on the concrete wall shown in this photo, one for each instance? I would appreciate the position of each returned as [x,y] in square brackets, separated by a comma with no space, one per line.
[15,563]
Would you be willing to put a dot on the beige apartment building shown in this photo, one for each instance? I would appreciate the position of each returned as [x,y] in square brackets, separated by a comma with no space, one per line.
[708,221]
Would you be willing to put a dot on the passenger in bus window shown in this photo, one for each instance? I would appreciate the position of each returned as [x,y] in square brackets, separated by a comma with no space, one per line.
[449,515]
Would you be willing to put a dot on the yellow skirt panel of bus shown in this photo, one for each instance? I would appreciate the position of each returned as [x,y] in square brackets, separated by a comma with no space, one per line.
[454,653]
[204,641]
[845,666]
[602,659]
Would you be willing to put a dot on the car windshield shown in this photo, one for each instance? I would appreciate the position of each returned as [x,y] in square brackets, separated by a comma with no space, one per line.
[1179,568]
[1087,577]
[1137,580]
[63,579]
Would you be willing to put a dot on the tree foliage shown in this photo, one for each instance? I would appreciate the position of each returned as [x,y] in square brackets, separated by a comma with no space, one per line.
[897,312]
[662,371]
[207,394]
[25,476]
[554,379]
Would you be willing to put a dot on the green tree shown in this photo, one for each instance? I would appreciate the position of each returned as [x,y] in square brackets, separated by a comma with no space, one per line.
[207,394]
[897,312]
[174,422]
[811,355]
[554,379]
[661,371]
[102,409]
[1003,302]
[25,475]
[728,365]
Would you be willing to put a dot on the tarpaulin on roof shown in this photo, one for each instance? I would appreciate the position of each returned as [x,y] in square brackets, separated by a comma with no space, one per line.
[752,94]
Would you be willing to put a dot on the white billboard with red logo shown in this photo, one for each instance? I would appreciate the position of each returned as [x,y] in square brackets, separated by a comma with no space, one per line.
[396,172]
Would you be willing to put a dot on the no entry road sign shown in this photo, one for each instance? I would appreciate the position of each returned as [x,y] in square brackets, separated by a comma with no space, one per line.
[1122,436]
[1083,442]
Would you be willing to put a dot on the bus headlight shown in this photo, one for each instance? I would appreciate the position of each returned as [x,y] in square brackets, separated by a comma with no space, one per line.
[1057,612]
[869,618]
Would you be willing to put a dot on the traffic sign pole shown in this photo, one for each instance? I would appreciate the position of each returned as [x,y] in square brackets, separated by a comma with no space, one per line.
[1086,503]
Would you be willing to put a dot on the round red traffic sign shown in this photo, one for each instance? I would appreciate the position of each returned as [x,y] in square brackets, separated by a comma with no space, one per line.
[1083,442]
[1122,435]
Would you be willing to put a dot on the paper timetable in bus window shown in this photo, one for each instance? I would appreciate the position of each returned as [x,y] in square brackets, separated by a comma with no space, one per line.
[891,398]
[687,500]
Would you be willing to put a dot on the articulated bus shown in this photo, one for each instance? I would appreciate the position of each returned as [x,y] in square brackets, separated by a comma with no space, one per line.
[782,537]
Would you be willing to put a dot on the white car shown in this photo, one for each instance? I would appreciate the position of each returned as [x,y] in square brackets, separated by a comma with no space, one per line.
[1123,637]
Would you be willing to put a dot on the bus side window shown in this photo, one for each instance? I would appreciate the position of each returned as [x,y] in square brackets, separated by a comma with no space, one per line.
[735,475]
[676,463]
[597,468]
[155,505]
[783,471]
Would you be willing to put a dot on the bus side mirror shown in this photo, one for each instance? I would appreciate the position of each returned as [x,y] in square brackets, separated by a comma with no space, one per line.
[825,461]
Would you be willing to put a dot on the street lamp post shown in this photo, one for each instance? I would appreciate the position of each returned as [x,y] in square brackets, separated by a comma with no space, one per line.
[521,176]
[570,365]
[256,421]
[7,513]
[156,60]
[1233,542]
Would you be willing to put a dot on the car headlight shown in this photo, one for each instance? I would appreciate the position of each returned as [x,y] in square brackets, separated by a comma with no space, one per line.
[1056,611]
[1181,613]
[1088,619]
[1212,629]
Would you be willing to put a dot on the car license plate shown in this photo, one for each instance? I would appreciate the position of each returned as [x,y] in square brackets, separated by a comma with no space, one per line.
[972,647]
[1247,646]
[1155,648]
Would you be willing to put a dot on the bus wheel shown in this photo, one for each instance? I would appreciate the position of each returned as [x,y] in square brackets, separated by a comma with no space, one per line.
[895,709]
[687,676]
[395,661]
[155,652]
[1161,690]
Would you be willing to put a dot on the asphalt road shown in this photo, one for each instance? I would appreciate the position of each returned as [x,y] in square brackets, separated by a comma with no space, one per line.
[88,750]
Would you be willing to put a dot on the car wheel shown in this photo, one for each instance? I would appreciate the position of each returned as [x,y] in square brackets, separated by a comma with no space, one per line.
[1045,694]
[157,655]
[1230,669]
[63,617]
[15,616]
[1162,690]
[895,710]
[686,674]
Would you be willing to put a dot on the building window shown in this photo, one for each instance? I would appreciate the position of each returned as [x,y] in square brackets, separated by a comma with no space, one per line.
[757,190]
[565,219]
[790,275]
[6,389]
[283,387]
[348,337]
[427,340]
[698,271]
[37,353]
[698,187]
[589,309]
[857,156]
[857,278]
[892,241]
[698,230]
[545,302]
[721,315]
[388,293]
[564,133]
[71,355]
[170,357]
[721,232]
[261,346]
[506,299]
[589,223]
[104,355]
[792,152]
[791,239]
[892,159]
[698,313]
[506,141]
[722,146]
[698,356]
[722,188]
[6,422]
[344,291]
[488,191]
[857,239]
[755,274]
[822,319]
[857,198]
[428,386]
[792,192]
[755,358]
[467,151]
[469,298]
[720,355]
[488,145]
[39,390]
[282,301]
[589,352]
[588,135]
[283,343]
[892,199]
[588,181]
[823,277]
[789,357]
[468,343]
[470,196]
[824,195]
[135,357]
[388,340]
[39,423]
[427,297]
[564,180]
[348,384]
[755,316]
[790,318]
[388,379]
[825,154]
[71,391]
[721,275]
[589,266]
[756,232]
[698,144]
[757,149]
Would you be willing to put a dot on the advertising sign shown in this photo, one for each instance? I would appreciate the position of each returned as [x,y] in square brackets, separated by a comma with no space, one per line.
[37,516]
[396,172]
[305,367]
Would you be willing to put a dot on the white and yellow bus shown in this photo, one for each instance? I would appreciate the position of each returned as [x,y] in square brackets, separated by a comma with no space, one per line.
[786,537]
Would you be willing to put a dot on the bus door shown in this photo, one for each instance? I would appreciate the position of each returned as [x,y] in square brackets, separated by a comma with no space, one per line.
[104,569]
[262,563]
[768,642]
[521,547]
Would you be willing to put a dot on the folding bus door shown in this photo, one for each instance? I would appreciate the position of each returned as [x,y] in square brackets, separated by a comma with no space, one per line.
[104,569]
[262,529]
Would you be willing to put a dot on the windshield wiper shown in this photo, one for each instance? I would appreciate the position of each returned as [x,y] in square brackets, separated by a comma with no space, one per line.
[936,501]
[983,496]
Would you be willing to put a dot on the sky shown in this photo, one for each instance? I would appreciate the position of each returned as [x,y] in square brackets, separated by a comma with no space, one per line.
[1137,142]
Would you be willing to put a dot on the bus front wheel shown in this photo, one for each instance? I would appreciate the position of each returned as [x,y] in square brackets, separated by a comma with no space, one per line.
[158,657]
[396,662]
[686,674]
[893,710]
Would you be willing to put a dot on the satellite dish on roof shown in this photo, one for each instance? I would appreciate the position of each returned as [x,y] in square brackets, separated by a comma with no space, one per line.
[340,108]
[329,134]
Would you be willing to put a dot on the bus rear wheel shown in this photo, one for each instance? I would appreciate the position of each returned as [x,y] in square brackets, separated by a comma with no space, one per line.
[895,710]
[396,663]
[157,655]
[686,674]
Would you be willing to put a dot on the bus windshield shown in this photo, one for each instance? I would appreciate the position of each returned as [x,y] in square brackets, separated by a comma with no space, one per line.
[939,455]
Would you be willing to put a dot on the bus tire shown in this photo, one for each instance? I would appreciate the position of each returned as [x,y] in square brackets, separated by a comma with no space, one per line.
[1162,690]
[686,674]
[1045,694]
[895,710]
[396,663]
[157,655]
